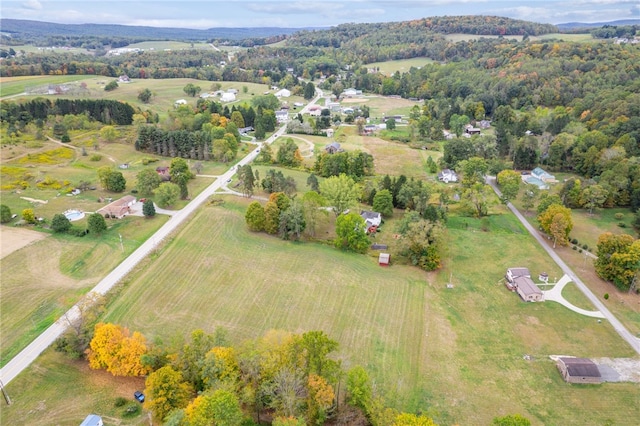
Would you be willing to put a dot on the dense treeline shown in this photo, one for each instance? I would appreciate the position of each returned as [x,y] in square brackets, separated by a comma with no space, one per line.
[103,110]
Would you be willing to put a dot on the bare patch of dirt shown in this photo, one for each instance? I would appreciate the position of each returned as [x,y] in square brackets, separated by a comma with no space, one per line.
[12,239]
[627,368]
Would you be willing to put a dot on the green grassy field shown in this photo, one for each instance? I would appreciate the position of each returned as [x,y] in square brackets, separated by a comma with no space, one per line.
[404,65]
[10,86]
[166,91]
[55,273]
[454,353]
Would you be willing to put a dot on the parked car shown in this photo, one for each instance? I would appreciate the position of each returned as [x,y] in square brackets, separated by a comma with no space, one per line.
[139,396]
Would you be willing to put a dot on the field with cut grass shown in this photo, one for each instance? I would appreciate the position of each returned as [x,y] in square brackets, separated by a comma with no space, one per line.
[454,353]
[10,86]
[401,65]
[166,91]
[55,273]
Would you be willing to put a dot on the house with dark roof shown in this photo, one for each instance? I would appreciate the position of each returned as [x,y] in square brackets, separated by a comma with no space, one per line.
[333,147]
[371,219]
[578,370]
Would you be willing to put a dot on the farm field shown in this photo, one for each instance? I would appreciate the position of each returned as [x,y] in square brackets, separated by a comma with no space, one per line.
[166,91]
[10,86]
[56,272]
[454,353]
[402,66]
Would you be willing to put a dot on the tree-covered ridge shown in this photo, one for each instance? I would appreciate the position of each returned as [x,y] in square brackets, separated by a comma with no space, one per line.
[414,31]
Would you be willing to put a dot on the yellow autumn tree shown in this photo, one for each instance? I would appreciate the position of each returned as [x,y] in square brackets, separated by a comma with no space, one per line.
[220,364]
[319,400]
[406,419]
[116,350]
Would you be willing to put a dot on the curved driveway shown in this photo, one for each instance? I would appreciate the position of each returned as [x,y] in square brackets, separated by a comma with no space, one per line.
[21,361]
[617,325]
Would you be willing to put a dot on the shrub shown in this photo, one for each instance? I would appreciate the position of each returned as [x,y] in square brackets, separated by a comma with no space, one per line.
[120,401]
[77,232]
[65,139]
[95,157]
[132,410]
[584,246]
[619,216]
[574,241]
[60,223]
[5,214]
[606,296]
[622,224]
[575,247]
[579,250]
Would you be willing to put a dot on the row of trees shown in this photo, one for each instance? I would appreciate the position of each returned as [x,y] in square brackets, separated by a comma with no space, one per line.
[103,110]
[206,380]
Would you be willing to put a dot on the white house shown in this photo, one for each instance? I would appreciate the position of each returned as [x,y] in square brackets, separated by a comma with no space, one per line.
[447,176]
[282,116]
[315,110]
[228,97]
[283,93]
[371,218]
[543,175]
[92,420]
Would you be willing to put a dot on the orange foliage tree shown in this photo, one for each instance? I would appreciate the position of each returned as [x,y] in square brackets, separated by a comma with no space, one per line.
[116,350]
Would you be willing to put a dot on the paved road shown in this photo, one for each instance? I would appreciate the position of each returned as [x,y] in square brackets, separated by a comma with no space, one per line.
[44,340]
[617,325]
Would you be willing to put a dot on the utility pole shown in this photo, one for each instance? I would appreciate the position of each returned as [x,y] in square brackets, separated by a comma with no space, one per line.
[5,394]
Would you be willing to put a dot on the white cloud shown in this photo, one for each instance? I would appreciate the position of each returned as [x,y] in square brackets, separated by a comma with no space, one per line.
[32,4]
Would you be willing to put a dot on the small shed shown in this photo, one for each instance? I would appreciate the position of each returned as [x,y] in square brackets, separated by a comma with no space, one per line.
[579,370]
[384,259]
[92,420]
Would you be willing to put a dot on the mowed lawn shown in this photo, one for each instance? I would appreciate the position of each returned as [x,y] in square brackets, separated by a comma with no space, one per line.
[454,353]
[44,279]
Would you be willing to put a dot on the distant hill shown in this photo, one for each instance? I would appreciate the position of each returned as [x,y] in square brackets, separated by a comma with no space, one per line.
[18,28]
[574,25]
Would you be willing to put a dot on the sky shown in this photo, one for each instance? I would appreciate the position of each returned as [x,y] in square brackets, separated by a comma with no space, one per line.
[202,14]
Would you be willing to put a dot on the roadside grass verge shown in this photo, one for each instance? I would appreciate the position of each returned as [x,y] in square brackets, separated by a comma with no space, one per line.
[55,273]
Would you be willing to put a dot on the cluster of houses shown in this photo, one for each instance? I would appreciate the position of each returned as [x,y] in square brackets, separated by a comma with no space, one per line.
[519,280]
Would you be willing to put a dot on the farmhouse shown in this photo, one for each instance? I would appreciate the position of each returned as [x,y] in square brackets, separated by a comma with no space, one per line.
[578,370]
[284,93]
[371,218]
[163,171]
[545,177]
[228,97]
[333,147]
[513,273]
[528,290]
[119,208]
[447,176]
[282,116]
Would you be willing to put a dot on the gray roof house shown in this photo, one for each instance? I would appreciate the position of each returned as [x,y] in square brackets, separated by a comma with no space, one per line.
[333,147]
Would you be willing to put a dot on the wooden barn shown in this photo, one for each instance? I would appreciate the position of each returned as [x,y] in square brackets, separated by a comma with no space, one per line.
[578,370]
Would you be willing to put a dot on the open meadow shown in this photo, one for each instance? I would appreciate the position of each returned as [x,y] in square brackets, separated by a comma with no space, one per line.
[401,65]
[165,91]
[455,353]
